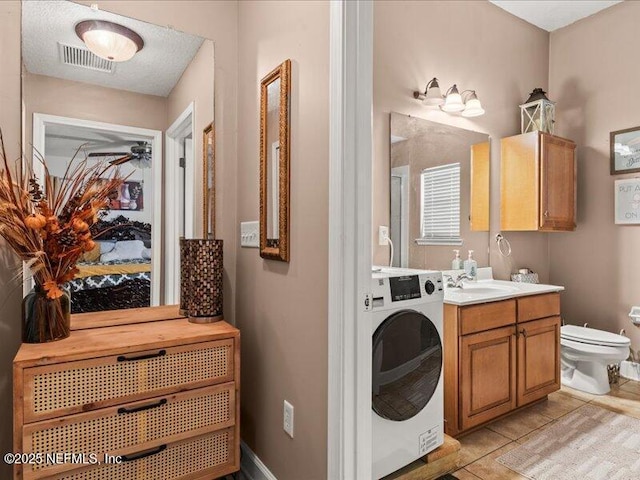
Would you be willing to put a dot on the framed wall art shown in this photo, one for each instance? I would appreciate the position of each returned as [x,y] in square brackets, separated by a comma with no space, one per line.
[627,201]
[625,151]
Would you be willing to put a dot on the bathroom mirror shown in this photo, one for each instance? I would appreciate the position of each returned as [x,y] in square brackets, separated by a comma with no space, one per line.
[274,163]
[439,188]
[141,112]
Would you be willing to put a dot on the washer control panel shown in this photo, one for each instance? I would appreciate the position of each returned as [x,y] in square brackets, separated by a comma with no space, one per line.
[394,289]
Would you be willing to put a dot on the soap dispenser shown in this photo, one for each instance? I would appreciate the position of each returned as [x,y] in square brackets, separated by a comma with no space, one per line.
[456,264]
[471,266]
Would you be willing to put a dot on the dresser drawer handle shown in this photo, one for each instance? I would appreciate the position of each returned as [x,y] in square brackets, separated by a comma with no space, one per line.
[161,353]
[143,407]
[138,456]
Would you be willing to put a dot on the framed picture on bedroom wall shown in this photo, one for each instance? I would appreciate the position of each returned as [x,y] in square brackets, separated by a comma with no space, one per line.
[129,197]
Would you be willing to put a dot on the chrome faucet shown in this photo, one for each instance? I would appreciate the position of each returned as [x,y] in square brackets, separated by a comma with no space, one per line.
[456,282]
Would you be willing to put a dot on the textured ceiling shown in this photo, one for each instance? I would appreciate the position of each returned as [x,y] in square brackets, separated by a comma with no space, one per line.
[64,140]
[551,15]
[154,70]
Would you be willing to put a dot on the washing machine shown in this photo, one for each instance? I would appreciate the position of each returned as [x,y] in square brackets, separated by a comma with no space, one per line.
[407,385]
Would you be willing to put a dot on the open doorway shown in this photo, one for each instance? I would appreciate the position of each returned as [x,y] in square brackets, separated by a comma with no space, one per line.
[179,201]
[133,216]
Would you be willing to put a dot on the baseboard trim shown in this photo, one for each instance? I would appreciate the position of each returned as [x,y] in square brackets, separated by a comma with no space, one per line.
[252,467]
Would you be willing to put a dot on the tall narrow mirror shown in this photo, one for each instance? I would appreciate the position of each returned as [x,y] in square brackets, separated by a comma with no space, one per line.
[274,163]
[439,193]
[123,105]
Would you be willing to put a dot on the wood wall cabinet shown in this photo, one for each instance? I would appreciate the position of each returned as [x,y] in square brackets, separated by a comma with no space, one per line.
[499,356]
[162,396]
[537,183]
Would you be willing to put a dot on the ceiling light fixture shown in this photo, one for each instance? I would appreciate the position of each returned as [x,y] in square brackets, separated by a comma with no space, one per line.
[466,103]
[109,40]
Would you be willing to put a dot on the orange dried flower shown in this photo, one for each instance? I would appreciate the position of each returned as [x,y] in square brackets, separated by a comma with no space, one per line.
[52,289]
[89,245]
[35,221]
[80,226]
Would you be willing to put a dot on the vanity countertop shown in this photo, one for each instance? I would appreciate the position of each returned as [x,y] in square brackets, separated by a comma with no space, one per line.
[486,289]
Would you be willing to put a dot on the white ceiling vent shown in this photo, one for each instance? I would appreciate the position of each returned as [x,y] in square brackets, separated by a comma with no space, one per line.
[80,57]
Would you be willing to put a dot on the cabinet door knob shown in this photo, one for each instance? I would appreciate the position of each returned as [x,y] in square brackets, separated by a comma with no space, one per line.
[546,213]
[524,333]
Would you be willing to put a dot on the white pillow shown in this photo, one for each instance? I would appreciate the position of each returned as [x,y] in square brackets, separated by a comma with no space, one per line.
[109,257]
[105,246]
[146,254]
[129,249]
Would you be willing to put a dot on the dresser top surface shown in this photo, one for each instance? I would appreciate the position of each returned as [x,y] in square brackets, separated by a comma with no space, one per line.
[115,340]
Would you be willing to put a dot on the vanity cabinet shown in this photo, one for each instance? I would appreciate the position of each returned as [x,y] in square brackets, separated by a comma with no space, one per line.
[538,359]
[499,356]
[487,375]
[160,398]
[537,183]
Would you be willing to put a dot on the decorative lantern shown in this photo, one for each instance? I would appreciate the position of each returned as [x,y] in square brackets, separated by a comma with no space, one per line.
[201,272]
[537,114]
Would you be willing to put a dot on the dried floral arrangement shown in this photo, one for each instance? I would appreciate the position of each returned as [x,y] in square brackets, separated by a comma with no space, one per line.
[50,231]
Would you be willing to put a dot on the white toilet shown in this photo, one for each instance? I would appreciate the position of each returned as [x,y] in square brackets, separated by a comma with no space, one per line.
[585,355]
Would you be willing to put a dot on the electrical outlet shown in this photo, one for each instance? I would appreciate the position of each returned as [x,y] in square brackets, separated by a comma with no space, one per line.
[287,423]
[383,235]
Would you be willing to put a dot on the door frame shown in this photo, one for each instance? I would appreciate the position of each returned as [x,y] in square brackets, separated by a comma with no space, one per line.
[40,122]
[182,127]
[349,445]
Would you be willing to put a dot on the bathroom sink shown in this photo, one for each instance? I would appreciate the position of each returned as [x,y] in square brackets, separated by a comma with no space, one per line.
[486,288]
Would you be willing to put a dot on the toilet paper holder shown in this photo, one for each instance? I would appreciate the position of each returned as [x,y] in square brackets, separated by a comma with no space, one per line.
[634,314]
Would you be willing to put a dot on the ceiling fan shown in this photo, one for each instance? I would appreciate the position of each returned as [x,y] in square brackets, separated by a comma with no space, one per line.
[139,156]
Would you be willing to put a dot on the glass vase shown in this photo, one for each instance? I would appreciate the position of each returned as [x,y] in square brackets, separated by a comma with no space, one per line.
[45,319]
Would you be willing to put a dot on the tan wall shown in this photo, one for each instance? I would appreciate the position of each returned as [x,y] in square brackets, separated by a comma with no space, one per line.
[66,98]
[282,308]
[11,291]
[595,82]
[476,45]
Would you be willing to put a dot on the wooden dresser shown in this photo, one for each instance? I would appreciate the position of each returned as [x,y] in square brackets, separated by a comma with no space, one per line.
[160,398]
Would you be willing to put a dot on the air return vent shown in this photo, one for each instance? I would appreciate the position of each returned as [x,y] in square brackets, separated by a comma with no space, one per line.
[80,57]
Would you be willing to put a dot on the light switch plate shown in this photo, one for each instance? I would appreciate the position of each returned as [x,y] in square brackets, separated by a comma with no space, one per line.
[249,234]
[287,418]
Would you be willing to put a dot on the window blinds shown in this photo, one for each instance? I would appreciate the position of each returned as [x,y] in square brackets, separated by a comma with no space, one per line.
[440,209]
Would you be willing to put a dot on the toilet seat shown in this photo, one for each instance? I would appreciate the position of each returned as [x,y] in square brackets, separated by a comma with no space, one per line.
[592,336]
[592,349]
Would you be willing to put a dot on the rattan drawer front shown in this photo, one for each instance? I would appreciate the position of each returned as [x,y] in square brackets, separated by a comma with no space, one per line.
[74,387]
[131,427]
[208,456]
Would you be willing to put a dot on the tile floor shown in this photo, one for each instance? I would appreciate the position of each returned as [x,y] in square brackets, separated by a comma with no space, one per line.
[480,449]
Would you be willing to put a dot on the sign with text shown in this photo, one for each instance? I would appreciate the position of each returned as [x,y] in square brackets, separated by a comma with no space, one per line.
[627,201]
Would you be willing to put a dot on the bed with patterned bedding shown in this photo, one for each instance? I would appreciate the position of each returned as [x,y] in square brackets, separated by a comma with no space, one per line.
[119,274]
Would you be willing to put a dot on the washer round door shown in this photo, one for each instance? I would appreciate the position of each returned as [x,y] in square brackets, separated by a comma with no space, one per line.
[407,363]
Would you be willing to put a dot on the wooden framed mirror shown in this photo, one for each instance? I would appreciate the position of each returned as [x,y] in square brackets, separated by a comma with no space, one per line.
[274,163]
[208,192]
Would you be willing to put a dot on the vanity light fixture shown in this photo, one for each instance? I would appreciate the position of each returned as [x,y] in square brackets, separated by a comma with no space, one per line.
[466,103]
[431,96]
[109,40]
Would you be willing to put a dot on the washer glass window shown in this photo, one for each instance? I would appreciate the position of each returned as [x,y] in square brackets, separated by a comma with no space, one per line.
[407,362]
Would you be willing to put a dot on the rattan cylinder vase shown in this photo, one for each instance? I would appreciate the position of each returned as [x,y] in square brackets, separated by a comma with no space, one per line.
[201,280]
